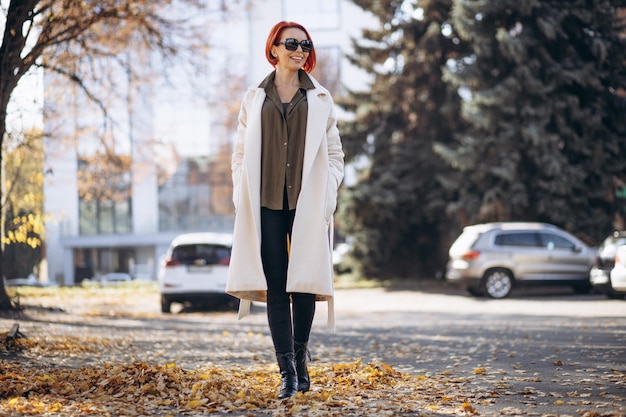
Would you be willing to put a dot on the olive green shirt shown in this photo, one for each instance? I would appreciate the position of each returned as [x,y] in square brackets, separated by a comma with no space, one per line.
[283,131]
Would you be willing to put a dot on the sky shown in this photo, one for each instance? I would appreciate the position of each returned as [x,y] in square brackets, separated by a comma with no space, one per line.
[25,107]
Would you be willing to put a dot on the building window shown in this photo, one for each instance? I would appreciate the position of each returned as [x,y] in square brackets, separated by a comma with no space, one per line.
[104,195]
[190,197]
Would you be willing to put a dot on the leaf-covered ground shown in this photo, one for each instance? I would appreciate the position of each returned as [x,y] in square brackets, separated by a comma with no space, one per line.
[142,389]
[110,352]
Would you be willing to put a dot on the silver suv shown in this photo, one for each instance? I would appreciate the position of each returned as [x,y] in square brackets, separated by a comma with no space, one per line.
[492,258]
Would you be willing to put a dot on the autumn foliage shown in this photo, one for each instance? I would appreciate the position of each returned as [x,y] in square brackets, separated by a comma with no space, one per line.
[149,389]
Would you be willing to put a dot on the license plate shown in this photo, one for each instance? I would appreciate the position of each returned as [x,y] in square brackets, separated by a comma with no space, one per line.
[199,268]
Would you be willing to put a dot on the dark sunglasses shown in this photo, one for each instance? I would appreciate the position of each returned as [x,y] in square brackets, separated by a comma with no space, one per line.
[291,44]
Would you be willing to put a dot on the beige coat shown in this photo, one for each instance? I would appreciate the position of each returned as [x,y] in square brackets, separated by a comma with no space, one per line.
[310,265]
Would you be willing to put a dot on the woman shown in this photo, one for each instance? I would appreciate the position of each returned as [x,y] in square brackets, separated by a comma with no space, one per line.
[287,166]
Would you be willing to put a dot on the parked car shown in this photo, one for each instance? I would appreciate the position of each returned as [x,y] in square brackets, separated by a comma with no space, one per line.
[618,273]
[600,275]
[115,277]
[30,281]
[492,258]
[195,269]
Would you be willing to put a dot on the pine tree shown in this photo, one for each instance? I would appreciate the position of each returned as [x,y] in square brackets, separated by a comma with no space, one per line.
[396,211]
[548,126]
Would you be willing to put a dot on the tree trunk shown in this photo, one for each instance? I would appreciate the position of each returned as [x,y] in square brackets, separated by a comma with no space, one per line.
[12,68]
[5,301]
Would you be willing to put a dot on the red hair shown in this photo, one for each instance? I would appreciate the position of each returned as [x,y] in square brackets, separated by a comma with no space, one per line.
[274,37]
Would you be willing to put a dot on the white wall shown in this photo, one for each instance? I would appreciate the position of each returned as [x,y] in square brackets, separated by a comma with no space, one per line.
[60,206]
[241,44]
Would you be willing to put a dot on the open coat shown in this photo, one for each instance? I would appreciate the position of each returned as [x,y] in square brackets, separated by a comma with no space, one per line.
[310,267]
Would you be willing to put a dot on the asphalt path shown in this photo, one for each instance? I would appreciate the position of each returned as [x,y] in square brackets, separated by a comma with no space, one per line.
[542,351]
[546,352]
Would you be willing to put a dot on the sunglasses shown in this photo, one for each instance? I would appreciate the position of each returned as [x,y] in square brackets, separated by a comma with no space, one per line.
[291,44]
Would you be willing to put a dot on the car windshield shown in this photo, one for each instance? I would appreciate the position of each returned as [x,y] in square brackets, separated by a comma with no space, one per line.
[200,254]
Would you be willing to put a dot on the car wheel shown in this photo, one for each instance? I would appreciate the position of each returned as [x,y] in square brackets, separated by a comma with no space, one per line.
[476,292]
[497,283]
[166,305]
[583,288]
[614,295]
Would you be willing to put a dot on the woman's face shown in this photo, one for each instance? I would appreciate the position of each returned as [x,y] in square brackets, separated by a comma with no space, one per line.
[290,60]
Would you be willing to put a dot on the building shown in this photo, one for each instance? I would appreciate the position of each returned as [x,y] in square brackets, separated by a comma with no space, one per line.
[173,173]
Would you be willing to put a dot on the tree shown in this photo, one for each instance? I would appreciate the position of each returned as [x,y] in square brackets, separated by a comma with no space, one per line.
[23,207]
[542,87]
[396,212]
[71,37]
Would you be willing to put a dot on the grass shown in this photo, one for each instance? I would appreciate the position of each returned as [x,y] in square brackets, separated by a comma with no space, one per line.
[89,290]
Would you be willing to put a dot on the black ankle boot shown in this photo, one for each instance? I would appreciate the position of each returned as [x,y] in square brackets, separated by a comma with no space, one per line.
[302,355]
[287,365]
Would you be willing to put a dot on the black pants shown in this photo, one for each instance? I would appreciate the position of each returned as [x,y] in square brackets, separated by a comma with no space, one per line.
[288,323]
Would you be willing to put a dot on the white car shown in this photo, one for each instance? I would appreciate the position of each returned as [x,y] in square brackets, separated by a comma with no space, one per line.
[618,273]
[600,274]
[195,269]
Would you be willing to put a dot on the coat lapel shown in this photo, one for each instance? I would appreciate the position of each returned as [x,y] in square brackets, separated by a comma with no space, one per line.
[315,128]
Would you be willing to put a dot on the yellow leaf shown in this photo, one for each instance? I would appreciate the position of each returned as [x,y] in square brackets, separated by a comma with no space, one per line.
[195,403]
[468,408]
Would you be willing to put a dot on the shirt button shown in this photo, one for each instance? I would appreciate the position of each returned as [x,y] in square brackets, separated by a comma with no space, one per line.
[285,143]
[288,165]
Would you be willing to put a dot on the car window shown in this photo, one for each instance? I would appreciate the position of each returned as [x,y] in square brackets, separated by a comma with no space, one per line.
[552,241]
[526,239]
[465,241]
[205,254]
